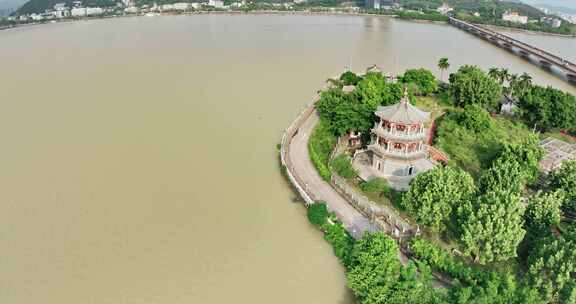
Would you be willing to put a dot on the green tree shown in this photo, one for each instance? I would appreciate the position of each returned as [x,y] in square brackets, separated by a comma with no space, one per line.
[504,174]
[423,79]
[470,85]
[551,268]
[433,195]
[491,226]
[543,211]
[373,91]
[375,266]
[548,108]
[443,65]
[565,179]
[342,242]
[528,153]
[349,78]
[475,118]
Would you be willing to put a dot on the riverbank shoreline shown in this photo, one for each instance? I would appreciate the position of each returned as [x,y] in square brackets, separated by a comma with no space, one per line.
[281,13]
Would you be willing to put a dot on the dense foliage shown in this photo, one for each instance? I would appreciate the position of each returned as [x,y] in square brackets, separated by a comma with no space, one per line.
[377,277]
[492,226]
[543,212]
[475,118]
[548,108]
[349,78]
[565,179]
[422,79]
[320,145]
[343,167]
[473,150]
[377,185]
[471,85]
[552,268]
[342,242]
[433,195]
[354,111]
[473,284]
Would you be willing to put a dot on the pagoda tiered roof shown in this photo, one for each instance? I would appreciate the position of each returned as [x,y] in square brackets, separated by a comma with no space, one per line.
[403,112]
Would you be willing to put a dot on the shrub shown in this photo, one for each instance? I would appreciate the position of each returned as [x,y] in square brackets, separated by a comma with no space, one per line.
[377,186]
[342,165]
[423,79]
[349,78]
[475,118]
[321,144]
[317,214]
[342,242]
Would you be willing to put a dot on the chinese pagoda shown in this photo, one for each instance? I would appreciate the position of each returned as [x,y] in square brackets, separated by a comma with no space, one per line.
[398,149]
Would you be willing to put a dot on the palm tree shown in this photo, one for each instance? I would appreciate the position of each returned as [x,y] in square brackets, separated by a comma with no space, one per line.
[504,75]
[494,73]
[525,81]
[443,65]
[514,85]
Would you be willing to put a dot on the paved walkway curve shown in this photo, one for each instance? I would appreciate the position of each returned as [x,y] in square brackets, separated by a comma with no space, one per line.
[307,181]
[356,223]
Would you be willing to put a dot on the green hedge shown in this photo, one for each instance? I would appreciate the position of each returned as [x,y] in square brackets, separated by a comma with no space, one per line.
[444,262]
[320,145]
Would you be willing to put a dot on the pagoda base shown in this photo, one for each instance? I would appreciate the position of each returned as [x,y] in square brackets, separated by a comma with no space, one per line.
[398,173]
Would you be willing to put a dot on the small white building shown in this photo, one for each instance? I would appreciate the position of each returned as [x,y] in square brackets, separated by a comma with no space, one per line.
[514,17]
[131,10]
[36,17]
[196,5]
[553,22]
[94,11]
[216,3]
[181,6]
[167,7]
[78,12]
[444,9]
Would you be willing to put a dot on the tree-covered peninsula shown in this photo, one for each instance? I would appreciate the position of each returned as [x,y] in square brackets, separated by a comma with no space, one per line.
[495,227]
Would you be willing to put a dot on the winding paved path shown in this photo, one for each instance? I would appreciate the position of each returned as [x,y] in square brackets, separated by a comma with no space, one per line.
[303,166]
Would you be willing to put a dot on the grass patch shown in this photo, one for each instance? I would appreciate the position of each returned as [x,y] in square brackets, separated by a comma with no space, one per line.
[472,150]
[343,167]
[320,145]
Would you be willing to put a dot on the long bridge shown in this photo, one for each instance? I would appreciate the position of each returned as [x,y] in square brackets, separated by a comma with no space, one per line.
[536,55]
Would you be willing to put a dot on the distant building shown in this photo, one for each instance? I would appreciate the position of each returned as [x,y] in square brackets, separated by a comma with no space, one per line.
[167,7]
[86,11]
[373,4]
[36,17]
[514,17]
[216,3]
[196,5]
[182,6]
[553,22]
[131,10]
[444,9]
[78,12]
[61,10]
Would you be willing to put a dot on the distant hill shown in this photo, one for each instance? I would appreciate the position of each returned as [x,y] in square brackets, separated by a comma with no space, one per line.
[11,4]
[568,4]
[493,8]
[39,6]
[560,9]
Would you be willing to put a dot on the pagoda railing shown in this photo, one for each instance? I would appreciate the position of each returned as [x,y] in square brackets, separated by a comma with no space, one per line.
[402,135]
[398,153]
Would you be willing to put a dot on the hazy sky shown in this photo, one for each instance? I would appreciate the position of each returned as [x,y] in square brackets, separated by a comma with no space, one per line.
[565,3]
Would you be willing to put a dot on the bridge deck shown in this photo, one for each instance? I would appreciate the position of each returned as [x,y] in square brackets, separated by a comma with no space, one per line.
[541,54]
